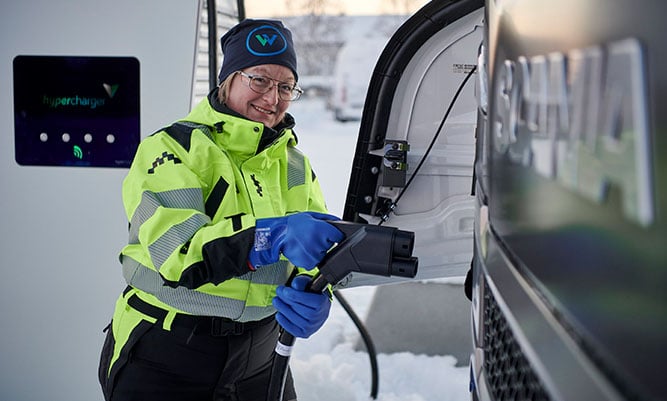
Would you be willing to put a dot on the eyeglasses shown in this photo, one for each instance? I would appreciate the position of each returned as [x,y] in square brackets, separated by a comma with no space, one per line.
[261,84]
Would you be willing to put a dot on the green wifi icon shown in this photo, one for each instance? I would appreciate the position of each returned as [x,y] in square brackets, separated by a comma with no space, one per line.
[78,153]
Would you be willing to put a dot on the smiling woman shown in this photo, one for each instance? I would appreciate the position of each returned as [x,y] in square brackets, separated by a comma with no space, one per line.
[266,106]
[224,210]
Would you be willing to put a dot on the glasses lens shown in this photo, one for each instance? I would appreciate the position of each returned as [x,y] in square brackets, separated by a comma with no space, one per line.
[285,91]
[295,94]
[260,84]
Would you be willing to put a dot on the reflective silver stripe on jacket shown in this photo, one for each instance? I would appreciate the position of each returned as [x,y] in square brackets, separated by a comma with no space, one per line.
[296,170]
[177,235]
[174,238]
[199,303]
[187,198]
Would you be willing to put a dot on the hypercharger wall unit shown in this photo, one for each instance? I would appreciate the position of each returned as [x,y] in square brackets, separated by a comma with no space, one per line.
[76,111]
[82,82]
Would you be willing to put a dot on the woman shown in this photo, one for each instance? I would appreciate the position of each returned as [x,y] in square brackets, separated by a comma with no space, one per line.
[223,211]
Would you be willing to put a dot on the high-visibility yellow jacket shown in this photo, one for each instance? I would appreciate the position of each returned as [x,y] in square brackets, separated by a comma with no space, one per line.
[192,195]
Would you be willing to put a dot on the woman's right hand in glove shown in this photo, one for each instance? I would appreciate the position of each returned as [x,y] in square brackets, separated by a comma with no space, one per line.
[303,238]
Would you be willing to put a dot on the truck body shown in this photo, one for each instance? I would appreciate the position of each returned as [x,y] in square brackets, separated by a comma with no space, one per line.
[566,189]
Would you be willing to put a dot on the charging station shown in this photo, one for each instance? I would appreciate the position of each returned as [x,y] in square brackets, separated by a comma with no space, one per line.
[83,82]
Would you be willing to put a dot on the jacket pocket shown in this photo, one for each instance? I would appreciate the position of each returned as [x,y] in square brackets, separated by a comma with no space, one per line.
[109,369]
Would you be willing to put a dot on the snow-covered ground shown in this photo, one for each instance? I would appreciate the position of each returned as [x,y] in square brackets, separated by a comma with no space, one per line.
[327,367]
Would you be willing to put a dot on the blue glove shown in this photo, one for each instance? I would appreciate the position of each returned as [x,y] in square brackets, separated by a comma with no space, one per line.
[300,313]
[304,238]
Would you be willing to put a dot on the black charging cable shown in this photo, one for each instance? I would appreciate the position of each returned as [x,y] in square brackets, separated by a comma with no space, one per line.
[385,216]
[365,336]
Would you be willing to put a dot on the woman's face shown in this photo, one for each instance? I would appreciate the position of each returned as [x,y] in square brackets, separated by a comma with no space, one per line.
[266,108]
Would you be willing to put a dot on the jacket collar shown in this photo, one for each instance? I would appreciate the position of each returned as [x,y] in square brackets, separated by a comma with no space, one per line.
[236,134]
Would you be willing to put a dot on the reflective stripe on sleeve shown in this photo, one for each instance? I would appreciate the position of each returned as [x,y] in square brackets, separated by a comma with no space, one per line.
[174,238]
[296,168]
[186,198]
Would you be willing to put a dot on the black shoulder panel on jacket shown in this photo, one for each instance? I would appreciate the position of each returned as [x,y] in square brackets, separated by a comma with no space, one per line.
[181,134]
[224,258]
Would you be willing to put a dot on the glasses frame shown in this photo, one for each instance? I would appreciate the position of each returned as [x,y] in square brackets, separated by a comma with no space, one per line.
[295,90]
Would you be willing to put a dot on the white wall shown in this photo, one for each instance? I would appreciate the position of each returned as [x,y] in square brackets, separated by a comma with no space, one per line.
[62,227]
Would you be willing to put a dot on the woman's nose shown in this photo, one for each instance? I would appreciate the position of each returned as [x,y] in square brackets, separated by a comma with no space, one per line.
[272,95]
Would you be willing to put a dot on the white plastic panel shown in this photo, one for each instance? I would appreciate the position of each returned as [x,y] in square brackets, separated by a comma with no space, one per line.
[437,206]
[63,227]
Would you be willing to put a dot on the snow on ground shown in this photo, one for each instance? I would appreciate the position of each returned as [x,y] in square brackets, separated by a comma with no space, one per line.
[327,367]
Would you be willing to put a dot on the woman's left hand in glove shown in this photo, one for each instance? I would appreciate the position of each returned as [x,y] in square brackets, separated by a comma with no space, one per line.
[301,313]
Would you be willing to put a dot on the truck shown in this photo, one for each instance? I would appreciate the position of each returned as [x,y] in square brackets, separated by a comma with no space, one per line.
[522,141]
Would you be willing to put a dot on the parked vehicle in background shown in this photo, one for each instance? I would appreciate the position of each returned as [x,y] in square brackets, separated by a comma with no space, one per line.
[316,85]
[352,72]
